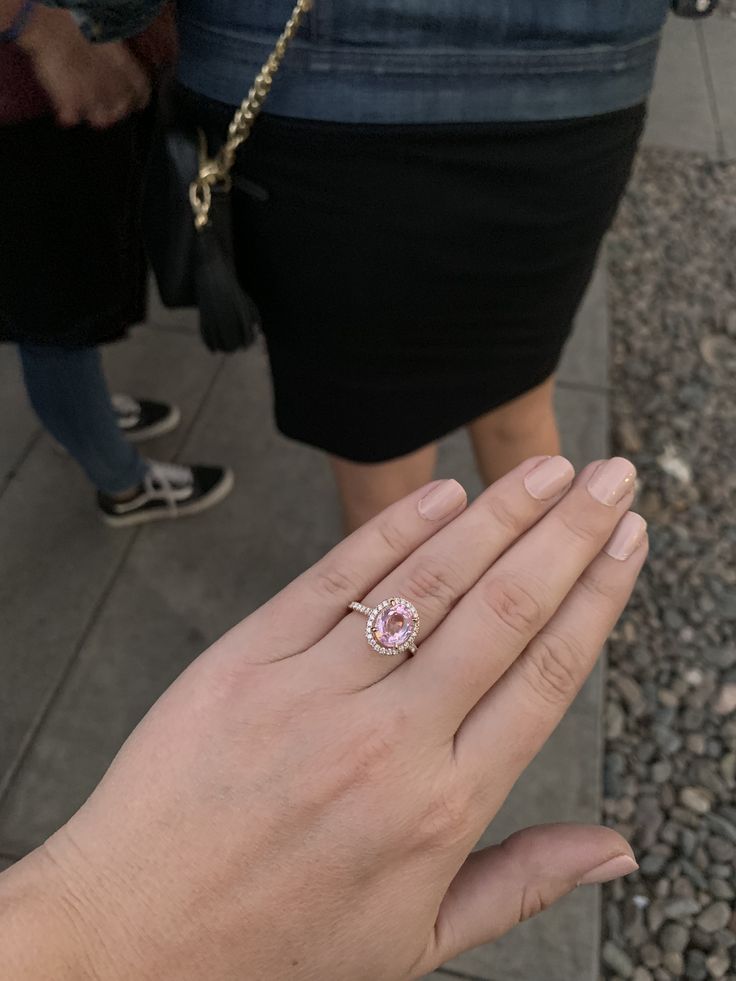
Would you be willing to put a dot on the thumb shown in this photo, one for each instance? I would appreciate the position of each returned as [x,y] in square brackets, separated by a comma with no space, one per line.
[501,886]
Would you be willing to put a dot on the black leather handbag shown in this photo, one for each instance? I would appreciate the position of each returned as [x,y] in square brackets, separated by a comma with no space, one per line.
[188,211]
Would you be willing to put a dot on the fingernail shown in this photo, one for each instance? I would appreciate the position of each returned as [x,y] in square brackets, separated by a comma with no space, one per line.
[612,481]
[549,478]
[614,868]
[627,537]
[442,500]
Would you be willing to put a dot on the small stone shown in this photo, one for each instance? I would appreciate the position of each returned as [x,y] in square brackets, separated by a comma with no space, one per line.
[694,874]
[726,701]
[696,799]
[718,963]
[721,889]
[695,969]
[695,743]
[717,916]
[661,771]
[673,937]
[722,826]
[728,768]
[674,962]
[651,955]
[721,657]
[656,916]
[615,720]
[642,974]
[652,865]
[688,841]
[681,909]
[617,959]
[682,888]
[721,850]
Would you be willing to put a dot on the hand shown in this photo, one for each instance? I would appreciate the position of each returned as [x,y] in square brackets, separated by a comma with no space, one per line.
[297,807]
[99,84]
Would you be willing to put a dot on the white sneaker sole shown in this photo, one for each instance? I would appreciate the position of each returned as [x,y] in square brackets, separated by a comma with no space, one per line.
[167,425]
[217,494]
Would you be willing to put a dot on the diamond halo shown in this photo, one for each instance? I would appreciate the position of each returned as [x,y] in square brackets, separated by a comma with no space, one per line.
[392,627]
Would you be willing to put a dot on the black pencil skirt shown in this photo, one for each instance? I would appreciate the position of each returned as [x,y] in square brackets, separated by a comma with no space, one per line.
[413,278]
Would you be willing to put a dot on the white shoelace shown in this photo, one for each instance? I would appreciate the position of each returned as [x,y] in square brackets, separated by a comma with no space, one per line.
[125,405]
[163,481]
[170,481]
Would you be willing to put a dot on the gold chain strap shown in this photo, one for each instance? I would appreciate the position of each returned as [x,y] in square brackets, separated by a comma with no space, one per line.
[216,170]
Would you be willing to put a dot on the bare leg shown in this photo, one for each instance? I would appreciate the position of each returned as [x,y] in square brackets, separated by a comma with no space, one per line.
[510,434]
[367,488]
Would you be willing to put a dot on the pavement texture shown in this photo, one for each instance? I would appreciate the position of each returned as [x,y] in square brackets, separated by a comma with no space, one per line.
[96,623]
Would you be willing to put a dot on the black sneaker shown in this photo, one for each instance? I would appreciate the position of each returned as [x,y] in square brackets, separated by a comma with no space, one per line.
[141,419]
[168,491]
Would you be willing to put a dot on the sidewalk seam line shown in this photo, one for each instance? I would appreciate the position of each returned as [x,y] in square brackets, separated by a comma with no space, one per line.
[10,475]
[9,778]
[711,90]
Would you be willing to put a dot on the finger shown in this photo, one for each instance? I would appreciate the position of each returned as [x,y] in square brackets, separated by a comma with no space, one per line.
[68,105]
[539,687]
[493,624]
[308,608]
[500,887]
[439,573]
[133,76]
[103,117]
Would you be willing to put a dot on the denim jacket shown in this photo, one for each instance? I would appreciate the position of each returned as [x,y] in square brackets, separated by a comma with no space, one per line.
[418,60]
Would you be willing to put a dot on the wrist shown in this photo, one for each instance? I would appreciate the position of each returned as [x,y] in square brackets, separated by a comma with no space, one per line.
[39,925]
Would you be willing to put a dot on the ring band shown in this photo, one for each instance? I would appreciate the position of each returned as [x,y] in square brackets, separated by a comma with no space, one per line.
[392,626]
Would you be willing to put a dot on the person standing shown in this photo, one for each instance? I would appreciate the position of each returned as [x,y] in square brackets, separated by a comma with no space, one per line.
[76,121]
[419,209]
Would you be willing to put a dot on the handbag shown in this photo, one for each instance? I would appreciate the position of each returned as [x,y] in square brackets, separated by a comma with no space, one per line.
[188,222]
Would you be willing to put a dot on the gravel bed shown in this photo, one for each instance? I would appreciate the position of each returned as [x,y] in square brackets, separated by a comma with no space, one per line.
[670,764]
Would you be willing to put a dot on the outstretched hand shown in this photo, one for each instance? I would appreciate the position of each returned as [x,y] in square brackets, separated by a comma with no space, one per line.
[298,807]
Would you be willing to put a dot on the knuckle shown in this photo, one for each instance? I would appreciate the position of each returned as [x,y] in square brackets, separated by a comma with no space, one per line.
[582,526]
[445,820]
[599,588]
[335,582]
[549,668]
[373,744]
[435,583]
[515,603]
[532,902]
[393,539]
[503,514]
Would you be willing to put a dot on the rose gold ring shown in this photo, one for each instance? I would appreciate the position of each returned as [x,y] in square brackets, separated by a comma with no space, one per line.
[392,627]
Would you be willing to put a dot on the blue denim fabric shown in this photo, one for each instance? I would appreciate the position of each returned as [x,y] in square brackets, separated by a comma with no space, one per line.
[429,60]
[67,388]
[415,60]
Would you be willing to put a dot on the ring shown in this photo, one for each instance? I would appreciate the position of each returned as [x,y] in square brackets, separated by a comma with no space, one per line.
[392,627]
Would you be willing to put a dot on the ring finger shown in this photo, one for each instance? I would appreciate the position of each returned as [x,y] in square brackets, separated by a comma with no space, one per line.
[442,570]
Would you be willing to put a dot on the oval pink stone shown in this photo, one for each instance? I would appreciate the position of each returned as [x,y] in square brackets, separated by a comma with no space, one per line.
[394,625]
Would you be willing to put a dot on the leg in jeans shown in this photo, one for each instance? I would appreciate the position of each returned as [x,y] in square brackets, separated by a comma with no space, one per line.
[525,427]
[367,488]
[69,393]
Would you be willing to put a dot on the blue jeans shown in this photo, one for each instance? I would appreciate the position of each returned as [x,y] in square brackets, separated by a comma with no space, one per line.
[68,390]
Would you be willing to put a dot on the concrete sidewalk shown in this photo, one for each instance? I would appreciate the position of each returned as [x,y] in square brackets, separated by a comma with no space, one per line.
[96,623]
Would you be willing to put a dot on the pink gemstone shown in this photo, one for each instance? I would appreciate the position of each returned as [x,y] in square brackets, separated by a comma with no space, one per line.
[394,625]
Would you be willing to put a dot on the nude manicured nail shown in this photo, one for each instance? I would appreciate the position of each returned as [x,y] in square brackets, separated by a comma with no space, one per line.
[549,478]
[614,868]
[627,537]
[442,500]
[612,481]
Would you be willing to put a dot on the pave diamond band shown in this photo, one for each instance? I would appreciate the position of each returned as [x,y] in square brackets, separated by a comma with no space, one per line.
[392,627]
